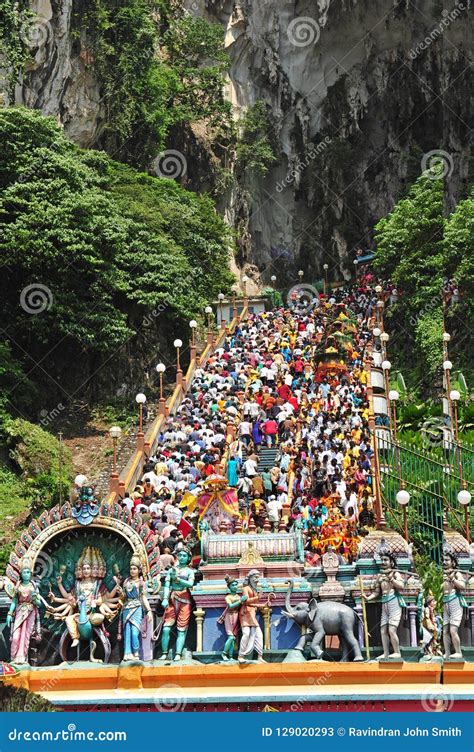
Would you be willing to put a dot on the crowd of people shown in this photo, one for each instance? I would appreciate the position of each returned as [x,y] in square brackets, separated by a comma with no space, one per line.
[282,411]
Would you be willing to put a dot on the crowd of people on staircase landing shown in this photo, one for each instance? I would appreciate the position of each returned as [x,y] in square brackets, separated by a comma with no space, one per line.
[282,410]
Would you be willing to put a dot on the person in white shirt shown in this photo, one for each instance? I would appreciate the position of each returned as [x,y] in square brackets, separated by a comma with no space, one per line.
[250,468]
[273,509]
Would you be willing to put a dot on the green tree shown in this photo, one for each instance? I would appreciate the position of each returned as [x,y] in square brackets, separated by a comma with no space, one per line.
[459,266]
[410,253]
[257,148]
[103,247]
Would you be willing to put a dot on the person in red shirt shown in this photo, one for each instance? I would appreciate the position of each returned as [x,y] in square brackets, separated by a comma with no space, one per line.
[284,391]
[298,366]
[294,403]
[270,429]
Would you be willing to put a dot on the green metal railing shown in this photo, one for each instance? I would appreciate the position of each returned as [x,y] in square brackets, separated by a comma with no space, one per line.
[423,477]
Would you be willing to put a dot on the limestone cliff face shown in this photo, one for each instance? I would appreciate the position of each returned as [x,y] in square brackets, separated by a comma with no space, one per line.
[359,91]
[60,80]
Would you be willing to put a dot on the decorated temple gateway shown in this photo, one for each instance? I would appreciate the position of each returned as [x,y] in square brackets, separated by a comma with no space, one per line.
[83,591]
[280,584]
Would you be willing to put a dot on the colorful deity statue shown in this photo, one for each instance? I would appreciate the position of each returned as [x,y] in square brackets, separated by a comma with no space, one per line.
[87,605]
[252,637]
[230,616]
[23,616]
[177,602]
[454,603]
[429,625]
[137,618]
[388,584]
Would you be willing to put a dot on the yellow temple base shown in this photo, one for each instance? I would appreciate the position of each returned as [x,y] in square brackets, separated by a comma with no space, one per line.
[87,687]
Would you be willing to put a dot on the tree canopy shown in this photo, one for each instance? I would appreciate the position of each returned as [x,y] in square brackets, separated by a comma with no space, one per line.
[100,245]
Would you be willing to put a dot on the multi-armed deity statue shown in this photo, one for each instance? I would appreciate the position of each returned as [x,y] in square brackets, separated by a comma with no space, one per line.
[104,591]
[88,604]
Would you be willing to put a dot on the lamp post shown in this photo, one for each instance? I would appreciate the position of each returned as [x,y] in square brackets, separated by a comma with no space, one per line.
[160,369]
[356,268]
[234,302]
[403,498]
[140,399]
[193,326]
[273,279]
[446,339]
[208,311]
[300,275]
[325,267]
[245,279]
[464,498]
[384,338]
[179,374]
[220,298]
[393,396]
[115,432]
[447,367]
[80,480]
[379,306]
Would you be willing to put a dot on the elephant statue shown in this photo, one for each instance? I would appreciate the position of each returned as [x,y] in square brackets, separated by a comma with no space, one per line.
[321,619]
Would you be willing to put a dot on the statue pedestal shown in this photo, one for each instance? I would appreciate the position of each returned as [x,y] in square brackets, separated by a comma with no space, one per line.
[294,656]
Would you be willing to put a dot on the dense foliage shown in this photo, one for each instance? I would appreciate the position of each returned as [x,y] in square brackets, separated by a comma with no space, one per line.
[256,149]
[459,266]
[410,252]
[106,250]
[157,68]
[16,20]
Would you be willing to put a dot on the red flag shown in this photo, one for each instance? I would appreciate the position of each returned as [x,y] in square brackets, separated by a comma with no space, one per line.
[184,527]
